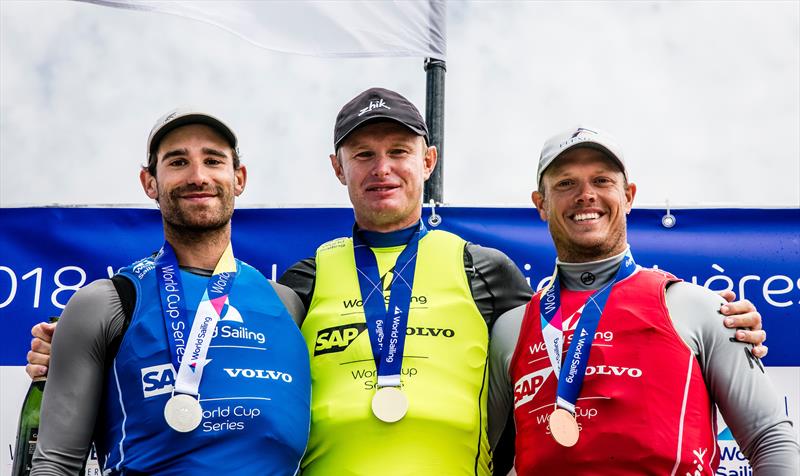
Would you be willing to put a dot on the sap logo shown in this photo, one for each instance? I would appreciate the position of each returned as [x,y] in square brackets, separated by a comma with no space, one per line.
[259,373]
[157,380]
[528,386]
[337,339]
[613,370]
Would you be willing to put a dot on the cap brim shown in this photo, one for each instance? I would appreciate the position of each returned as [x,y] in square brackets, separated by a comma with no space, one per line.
[188,119]
[591,145]
[378,118]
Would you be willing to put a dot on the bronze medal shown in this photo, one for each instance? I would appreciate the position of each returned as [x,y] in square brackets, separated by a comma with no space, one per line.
[564,427]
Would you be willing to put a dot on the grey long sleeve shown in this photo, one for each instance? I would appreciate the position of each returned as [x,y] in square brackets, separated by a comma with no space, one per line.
[91,320]
[736,382]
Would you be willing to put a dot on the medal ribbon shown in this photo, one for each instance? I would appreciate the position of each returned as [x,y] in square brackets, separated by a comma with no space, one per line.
[571,375]
[189,355]
[387,350]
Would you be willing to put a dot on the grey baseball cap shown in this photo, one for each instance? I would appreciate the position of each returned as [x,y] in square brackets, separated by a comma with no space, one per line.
[579,136]
[377,104]
[184,116]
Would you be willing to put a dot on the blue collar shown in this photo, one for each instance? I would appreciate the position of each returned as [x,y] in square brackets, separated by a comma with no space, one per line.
[377,239]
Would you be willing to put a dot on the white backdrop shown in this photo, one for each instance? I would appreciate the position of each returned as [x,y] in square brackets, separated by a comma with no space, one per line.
[703,96]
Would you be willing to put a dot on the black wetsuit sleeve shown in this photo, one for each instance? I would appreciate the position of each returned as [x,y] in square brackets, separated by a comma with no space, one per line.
[291,302]
[301,277]
[92,320]
[497,284]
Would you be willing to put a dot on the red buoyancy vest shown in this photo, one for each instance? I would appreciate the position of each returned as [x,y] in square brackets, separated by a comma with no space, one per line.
[644,407]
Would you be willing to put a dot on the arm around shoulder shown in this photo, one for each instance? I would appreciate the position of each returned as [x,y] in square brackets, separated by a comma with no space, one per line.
[300,278]
[291,301]
[72,397]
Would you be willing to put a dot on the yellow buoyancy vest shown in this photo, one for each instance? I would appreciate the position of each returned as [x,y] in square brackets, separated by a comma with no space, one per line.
[443,375]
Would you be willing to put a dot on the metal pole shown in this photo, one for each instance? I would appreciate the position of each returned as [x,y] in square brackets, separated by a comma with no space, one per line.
[434,117]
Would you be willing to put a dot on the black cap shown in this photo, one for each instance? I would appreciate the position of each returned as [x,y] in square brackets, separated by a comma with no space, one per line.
[377,104]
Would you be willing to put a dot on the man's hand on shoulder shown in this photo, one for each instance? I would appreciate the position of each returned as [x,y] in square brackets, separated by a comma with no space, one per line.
[39,355]
[742,315]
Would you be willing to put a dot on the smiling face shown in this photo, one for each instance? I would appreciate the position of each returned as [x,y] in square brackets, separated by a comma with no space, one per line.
[195,181]
[384,166]
[584,201]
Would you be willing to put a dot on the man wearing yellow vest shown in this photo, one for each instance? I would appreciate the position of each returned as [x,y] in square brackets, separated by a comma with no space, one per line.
[398,316]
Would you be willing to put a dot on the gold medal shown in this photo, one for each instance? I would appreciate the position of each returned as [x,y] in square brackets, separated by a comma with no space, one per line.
[389,404]
[564,427]
[183,413]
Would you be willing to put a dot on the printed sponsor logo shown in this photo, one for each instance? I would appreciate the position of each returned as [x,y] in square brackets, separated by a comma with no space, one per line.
[157,380]
[700,461]
[228,418]
[599,336]
[528,386]
[370,376]
[337,339]
[242,333]
[142,267]
[732,462]
[358,303]
[576,357]
[580,412]
[613,370]
[430,331]
[259,374]
[373,104]
[386,284]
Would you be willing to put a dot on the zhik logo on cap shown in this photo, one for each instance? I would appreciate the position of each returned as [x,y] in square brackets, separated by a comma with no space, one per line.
[373,104]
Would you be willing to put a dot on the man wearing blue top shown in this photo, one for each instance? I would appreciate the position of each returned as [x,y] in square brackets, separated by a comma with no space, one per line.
[187,361]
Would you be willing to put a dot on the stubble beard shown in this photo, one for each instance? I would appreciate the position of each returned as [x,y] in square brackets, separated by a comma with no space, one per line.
[572,251]
[194,226]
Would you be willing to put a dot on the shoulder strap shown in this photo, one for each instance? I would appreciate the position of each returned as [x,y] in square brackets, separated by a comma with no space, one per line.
[127,296]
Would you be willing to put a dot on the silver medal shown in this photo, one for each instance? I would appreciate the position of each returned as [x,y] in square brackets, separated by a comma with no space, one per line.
[183,413]
[389,404]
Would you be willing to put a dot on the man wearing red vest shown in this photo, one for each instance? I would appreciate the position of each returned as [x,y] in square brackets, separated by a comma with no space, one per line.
[616,369]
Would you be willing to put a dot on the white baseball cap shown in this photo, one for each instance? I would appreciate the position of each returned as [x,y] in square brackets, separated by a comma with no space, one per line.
[579,136]
[184,116]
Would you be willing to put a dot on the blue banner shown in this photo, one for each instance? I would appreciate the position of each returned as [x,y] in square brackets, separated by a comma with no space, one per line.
[48,253]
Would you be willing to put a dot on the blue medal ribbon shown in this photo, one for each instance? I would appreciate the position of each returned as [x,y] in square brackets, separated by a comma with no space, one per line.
[387,325]
[173,306]
[573,370]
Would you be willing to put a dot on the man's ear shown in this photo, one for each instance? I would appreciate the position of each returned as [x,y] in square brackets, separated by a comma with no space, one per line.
[539,202]
[240,180]
[630,193]
[149,184]
[337,168]
[430,160]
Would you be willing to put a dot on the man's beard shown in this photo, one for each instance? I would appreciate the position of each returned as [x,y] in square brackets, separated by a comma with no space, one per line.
[189,223]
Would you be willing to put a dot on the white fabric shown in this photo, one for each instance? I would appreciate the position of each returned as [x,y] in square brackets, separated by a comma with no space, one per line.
[353,28]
